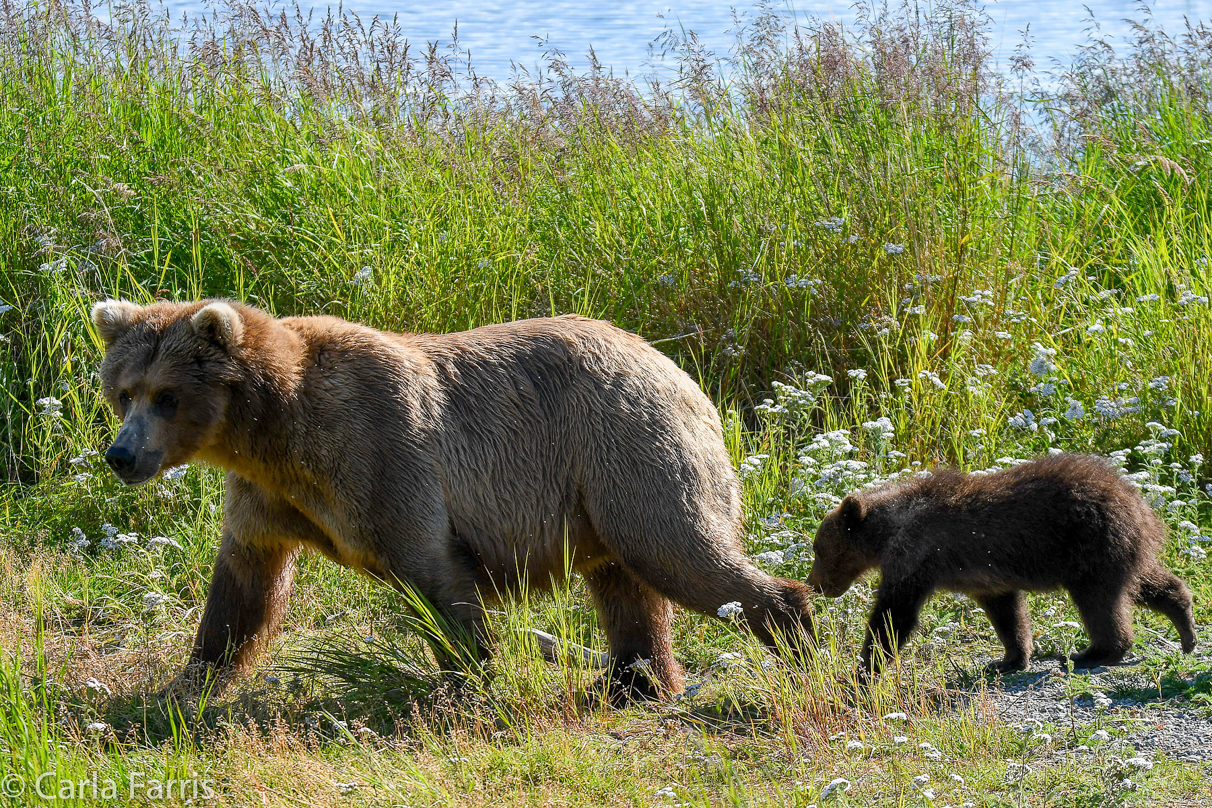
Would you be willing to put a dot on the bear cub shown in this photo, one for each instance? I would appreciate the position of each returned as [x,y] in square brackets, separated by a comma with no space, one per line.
[1066,521]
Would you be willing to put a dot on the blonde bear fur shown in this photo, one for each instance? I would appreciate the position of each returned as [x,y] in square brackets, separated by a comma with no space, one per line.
[459,464]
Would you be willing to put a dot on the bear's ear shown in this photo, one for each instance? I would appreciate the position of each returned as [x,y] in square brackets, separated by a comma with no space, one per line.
[113,318]
[219,323]
[852,511]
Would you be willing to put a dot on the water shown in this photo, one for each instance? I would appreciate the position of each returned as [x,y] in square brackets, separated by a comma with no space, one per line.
[500,34]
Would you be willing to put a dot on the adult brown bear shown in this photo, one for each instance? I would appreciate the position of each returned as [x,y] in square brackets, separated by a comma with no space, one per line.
[1066,521]
[458,464]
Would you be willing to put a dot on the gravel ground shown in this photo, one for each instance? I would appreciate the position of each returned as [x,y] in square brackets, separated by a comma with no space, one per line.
[1176,727]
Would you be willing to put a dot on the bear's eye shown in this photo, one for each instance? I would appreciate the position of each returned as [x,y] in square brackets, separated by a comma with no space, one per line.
[123,399]
[166,403]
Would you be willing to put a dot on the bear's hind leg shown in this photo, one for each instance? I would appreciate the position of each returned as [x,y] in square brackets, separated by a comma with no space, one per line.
[1008,614]
[777,610]
[1105,608]
[1164,592]
[638,624]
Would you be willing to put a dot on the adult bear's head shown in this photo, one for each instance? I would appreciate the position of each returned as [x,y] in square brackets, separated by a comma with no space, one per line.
[168,373]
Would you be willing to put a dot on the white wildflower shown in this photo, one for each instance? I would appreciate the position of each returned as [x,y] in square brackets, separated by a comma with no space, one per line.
[921,780]
[1102,702]
[1160,383]
[97,727]
[1041,364]
[1076,411]
[1023,420]
[854,746]
[1139,763]
[97,686]
[1149,298]
[896,717]
[894,249]
[730,611]
[916,310]
[1003,335]
[858,374]
[153,599]
[770,557]
[162,541]
[1071,274]
[49,406]
[364,277]
[933,378]
[176,472]
[728,659]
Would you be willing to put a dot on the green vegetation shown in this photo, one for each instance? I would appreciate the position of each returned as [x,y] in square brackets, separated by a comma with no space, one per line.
[983,267]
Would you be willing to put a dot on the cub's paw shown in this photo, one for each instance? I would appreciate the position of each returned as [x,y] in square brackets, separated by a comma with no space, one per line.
[1009,665]
[1093,658]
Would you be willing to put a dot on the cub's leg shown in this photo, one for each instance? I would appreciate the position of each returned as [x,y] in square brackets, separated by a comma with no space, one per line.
[638,623]
[1164,592]
[1008,614]
[897,604]
[1105,607]
[247,599]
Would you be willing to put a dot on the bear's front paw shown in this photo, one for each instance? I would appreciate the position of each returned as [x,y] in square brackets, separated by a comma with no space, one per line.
[623,687]
[194,681]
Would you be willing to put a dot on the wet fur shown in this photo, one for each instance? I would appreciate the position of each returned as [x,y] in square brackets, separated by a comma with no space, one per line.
[1068,521]
[461,464]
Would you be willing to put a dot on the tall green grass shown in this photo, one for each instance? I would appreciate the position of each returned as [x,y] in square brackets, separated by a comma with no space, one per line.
[872,252]
[145,162]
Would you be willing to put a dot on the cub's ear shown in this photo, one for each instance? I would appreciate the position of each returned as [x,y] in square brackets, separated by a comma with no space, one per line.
[220,323]
[113,318]
[852,511]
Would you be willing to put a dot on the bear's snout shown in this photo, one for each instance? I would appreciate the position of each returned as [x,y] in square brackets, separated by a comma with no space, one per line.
[130,458]
[122,459]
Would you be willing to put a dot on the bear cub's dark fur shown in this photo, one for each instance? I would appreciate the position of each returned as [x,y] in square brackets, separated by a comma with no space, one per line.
[1066,521]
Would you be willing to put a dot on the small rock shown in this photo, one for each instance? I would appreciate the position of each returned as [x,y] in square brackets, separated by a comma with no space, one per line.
[839,783]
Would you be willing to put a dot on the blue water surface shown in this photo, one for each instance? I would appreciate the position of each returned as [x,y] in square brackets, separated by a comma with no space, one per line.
[500,35]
